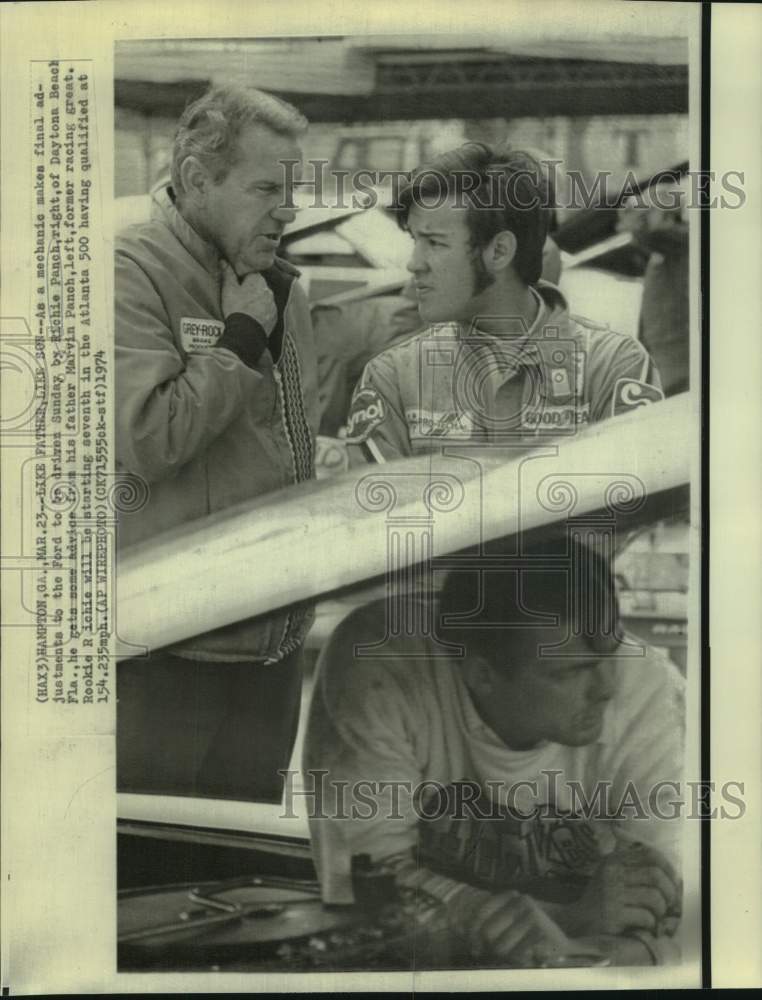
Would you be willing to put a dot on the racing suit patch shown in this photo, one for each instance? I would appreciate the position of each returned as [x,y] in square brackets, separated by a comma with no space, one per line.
[439,423]
[580,371]
[368,410]
[554,417]
[630,393]
[199,334]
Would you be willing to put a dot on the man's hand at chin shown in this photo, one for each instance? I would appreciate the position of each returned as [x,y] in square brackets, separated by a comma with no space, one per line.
[250,295]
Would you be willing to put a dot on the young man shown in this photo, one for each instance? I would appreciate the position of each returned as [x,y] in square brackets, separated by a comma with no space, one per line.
[216,403]
[529,786]
[502,360]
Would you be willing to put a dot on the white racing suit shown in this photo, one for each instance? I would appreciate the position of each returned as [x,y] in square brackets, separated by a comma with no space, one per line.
[449,384]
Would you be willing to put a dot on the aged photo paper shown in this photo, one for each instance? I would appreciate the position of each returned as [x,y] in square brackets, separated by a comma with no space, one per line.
[380,477]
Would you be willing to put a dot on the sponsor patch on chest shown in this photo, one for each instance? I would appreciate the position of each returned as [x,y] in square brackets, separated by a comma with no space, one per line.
[440,423]
[199,334]
[550,417]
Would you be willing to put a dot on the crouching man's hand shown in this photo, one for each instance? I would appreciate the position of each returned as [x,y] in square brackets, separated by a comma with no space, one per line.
[512,927]
[634,948]
[634,888]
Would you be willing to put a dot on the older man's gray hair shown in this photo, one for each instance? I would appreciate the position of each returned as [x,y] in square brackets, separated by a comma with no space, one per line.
[209,129]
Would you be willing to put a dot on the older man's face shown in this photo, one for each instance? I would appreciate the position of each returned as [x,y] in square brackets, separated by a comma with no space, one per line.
[245,214]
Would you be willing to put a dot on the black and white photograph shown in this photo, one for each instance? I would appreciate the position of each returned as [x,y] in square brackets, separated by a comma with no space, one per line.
[422,297]
[369,379]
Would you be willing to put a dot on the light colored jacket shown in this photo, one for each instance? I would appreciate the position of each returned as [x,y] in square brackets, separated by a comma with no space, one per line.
[202,427]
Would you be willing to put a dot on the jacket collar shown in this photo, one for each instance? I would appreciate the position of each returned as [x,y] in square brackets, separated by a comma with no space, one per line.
[164,209]
[554,299]
[545,347]
[553,312]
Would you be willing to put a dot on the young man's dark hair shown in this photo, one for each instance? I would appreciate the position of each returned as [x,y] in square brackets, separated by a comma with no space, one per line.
[564,586]
[502,188]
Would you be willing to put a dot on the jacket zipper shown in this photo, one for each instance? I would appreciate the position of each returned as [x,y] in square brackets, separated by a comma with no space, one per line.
[287,643]
[280,650]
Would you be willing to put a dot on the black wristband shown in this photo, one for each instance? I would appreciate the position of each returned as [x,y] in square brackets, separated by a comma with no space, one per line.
[244,337]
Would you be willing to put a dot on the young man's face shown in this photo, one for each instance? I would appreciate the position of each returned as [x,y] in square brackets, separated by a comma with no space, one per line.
[560,699]
[243,215]
[443,263]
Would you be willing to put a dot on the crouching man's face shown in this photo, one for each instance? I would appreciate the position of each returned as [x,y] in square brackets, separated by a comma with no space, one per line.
[244,215]
[534,698]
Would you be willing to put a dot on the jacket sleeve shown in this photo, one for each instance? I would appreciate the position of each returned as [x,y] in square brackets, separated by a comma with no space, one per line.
[376,425]
[622,377]
[168,409]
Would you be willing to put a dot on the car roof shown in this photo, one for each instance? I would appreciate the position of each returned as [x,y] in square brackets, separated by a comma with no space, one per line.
[305,521]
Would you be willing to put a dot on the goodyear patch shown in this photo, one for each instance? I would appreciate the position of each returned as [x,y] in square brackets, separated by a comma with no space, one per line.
[555,418]
[199,334]
[630,393]
[367,411]
[439,423]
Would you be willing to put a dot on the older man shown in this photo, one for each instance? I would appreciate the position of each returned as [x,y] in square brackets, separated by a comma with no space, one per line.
[524,789]
[216,403]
